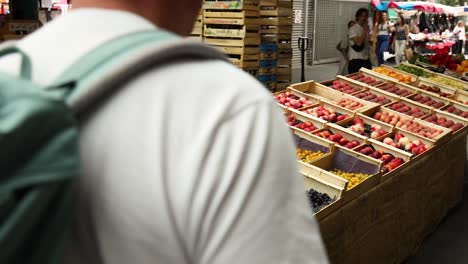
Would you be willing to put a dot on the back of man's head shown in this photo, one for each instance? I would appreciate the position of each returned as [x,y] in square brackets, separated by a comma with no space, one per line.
[174,15]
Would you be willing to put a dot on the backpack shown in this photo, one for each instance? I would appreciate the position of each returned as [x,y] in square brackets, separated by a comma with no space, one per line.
[39,155]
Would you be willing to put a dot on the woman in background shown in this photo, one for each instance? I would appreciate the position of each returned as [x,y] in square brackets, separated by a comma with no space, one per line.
[401,39]
[459,34]
[382,29]
[343,48]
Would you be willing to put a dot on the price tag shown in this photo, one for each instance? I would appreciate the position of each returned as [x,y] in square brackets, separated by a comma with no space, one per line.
[298,16]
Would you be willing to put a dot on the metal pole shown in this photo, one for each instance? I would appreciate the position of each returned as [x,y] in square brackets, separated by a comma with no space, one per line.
[314,34]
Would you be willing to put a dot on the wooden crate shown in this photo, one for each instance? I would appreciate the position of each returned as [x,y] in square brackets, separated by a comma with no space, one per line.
[232,42]
[356,85]
[355,163]
[449,117]
[283,77]
[461,107]
[379,93]
[412,137]
[231,31]
[316,90]
[338,110]
[267,70]
[411,104]
[269,55]
[243,57]
[282,85]
[308,141]
[460,97]
[276,21]
[231,5]
[274,11]
[320,184]
[445,89]
[278,3]
[299,117]
[441,100]
[401,87]
[368,122]
[387,149]
[271,29]
[284,70]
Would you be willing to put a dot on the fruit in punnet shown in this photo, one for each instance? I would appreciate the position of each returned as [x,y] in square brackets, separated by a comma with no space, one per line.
[307,155]
[426,100]
[448,82]
[318,200]
[395,90]
[292,101]
[407,109]
[433,89]
[372,131]
[327,114]
[366,80]
[350,104]
[409,125]
[400,141]
[307,126]
[456,111]
[371,97]
[442,121]
[400,77]
[353,178]
[344,87]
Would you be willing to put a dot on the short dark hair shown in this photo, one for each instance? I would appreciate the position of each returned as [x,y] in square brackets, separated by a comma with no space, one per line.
[361,11]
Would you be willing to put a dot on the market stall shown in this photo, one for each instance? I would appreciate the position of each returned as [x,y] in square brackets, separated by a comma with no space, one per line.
[382,153]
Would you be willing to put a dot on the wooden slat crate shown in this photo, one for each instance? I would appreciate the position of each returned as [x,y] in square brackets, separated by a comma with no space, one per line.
[232,42]
[278,3]
[234,31]
[231,5]
[271,11]
[269,29]
[276,21]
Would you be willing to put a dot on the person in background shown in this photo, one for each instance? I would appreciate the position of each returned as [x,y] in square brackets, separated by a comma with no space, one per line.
[343,48]
[382,29]
[459,34]
[401,39]
[359,42]
[210,179]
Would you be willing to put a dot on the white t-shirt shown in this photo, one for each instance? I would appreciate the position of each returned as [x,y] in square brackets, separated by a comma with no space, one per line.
[356,31]
[461,32]
[190,163]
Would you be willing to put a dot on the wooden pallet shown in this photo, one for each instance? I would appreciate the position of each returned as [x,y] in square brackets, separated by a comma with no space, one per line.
[231,31]
[283,78]
[284,46]
[231,5]
[278,3]
[269,55]
[284,62]
[267,70]
[244,17]
[242,57]
[281,70]
[273,11]
[276,21]
[264,29]
[232,42]
[276,38]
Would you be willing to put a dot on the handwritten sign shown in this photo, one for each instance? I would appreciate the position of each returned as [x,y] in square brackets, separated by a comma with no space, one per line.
[298,16]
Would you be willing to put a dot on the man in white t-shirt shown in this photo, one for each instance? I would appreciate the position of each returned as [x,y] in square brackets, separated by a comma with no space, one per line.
[189,163]
[359,42]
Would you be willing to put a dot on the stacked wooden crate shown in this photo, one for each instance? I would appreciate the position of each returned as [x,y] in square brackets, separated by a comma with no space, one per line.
[233,27]
[276,21]
[197,32]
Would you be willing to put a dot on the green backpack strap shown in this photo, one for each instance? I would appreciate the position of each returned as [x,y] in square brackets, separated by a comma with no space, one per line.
[120,60]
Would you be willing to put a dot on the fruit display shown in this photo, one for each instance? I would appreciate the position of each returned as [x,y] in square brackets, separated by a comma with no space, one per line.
[448,82]
[407,109]
[318,201]
[393,74]
[292,101]
[391,88]
[371,97]
[307,126]
[416,147]
[443,121]
[414,70]
[344,87]
[427,100]
[408,125]
[462,67]
[448,61]
[389,161]
[371,131]
[366,80]
[354,179]
[433,89]
[338,139]
[457,111]
[349,104]
[327,114]
[307,155]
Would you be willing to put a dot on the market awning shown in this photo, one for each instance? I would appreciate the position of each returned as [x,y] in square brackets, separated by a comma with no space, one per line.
[414,5]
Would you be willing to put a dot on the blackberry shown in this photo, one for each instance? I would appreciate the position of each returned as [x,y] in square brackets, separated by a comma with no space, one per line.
[318,200]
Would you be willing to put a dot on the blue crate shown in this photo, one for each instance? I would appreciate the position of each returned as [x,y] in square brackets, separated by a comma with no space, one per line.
[267,78]
[268,63]
[268,47]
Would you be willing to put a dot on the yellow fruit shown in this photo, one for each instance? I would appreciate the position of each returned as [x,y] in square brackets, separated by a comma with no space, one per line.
[354,179]
[307,155]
